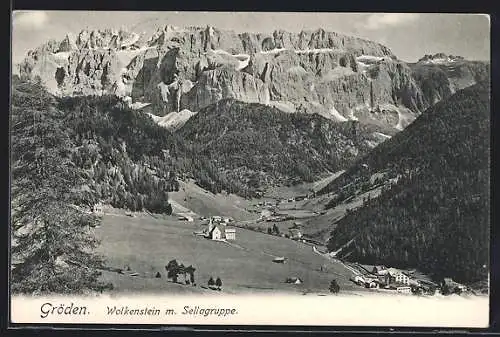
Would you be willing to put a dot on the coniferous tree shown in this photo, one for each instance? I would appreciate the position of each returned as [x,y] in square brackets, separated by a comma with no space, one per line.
[211,282]
[218,283]
[52,245]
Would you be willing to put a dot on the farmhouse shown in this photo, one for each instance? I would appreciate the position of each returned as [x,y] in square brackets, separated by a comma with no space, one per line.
[452,285]
[219,231]
[266,213]
[359,279]
[379,270]
[401,278]
[295,233]
[394,275]
[294,280]
[186,218]
[230,233]
[97,209]
[404,290]
[372,284]
[279,260]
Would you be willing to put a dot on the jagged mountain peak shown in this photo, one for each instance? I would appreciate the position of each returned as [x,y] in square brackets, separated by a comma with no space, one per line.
[440,58]
[313,71]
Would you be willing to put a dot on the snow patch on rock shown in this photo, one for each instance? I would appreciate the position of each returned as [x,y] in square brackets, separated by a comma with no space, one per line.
[405,116]
[315,50]
[284,106]
[126,56]
[381,135]
[133,38]
[173,120]
[139,105]
[242,59]
[351,116]
[337,115]
[62,55]
[369,59]
[272,51]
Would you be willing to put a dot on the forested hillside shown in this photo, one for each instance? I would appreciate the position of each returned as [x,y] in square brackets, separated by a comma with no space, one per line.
[435,215]
[129,160]
[253,146]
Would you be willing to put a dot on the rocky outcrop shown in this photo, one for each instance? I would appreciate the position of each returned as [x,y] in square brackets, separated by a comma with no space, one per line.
[337,76]
[440,76]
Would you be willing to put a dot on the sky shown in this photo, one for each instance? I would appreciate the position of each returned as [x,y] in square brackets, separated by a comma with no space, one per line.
[409,35]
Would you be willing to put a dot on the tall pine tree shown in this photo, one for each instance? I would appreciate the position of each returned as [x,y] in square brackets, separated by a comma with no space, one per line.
[52,242]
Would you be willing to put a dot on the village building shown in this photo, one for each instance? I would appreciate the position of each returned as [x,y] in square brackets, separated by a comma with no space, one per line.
[379,270]
[219,231]
[401,278]
[373,284]
[393,275]
[97,209]
[294,280]
[295,233]
[266,213]
[186,218]
[360,280]
[452,285]
[404,290]
[279,260]
[230,233]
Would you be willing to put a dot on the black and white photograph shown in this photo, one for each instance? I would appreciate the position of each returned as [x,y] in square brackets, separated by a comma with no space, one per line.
[317,158]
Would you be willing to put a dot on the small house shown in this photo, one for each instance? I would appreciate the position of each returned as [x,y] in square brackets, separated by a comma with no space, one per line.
[452,285]
[394,275]
[97,209]
[358,279]
[404,290]
[217,232]
[230,233]
[186,218]
[266,213]
[371,283]
[279,260]
[295,233]
[294,280]
[379,270]
[401,278]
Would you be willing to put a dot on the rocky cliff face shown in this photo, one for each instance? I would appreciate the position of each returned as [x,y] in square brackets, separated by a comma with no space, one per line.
[339,77]
[440,75]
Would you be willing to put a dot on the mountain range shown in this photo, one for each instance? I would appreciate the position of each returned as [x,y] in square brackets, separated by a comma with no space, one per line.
[337,76]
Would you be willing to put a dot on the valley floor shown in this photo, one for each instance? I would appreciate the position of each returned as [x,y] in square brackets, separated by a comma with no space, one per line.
[144,244]
[138,246]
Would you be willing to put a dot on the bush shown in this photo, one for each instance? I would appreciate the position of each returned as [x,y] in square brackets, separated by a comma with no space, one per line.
[334,287]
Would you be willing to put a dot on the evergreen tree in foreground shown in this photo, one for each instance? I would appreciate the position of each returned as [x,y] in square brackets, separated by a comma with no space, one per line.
[334,287]
[52,244]
[211,282]
[218,283]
